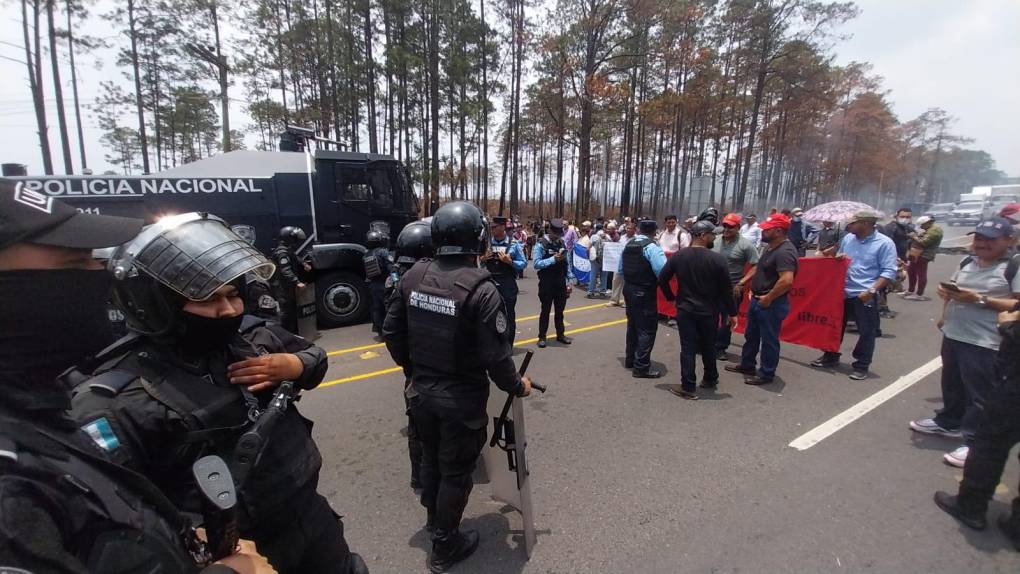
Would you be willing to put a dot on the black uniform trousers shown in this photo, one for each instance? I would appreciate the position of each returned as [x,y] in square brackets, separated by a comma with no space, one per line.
[377,290]
[642,324]
[286,296]
[307,536]
[552,295]
[698,336]
[413,442]
[998,431]
[452,433]
[508,289]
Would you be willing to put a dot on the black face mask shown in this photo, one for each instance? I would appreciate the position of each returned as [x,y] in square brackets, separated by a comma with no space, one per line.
[51,320]
[202,334]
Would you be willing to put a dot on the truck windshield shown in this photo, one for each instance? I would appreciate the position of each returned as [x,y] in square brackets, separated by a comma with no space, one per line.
[969,205]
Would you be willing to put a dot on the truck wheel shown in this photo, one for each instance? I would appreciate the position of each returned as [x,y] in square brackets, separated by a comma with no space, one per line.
[341,299]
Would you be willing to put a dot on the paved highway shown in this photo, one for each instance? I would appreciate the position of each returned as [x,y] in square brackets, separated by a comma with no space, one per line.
[627,477]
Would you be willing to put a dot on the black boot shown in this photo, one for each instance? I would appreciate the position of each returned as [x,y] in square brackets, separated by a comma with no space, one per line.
[1010,525]
[451,548]
[959,509]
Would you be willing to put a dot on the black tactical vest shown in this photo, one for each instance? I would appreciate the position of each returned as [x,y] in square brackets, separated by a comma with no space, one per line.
[376,267]
[636,269]
[555,274]
[501,271]
[437,332]
[117,520]
[214,414]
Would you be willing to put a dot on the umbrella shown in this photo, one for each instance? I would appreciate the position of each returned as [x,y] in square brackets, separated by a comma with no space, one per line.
[837,211]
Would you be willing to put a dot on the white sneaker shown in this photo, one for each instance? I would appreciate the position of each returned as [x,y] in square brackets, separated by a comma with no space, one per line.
[929,426]
[958,457]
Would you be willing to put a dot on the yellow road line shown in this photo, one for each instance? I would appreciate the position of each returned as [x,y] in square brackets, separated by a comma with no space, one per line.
[520,320]
[382,372]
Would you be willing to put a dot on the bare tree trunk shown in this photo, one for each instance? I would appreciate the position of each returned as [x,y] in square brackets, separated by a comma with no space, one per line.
[485,109]
[142,138]
[58,88]
[34,64]
[433,35]
[373,138]
[74,88]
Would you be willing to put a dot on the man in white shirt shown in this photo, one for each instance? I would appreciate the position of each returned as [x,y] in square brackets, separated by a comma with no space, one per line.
[629,232]
[750,231]
[673,237]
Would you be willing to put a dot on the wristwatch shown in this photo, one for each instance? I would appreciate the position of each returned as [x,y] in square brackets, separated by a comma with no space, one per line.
[872,291]
[982,301]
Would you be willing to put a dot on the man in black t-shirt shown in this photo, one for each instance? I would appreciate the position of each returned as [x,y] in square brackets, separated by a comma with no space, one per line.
[769,302]
[704,291]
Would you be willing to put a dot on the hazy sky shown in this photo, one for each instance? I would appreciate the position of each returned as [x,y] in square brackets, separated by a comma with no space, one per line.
[960,55]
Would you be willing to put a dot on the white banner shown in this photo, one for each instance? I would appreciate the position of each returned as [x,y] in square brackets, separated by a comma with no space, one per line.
[611,253]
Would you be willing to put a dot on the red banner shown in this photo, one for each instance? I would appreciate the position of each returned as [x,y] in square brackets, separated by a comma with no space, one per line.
[816,304]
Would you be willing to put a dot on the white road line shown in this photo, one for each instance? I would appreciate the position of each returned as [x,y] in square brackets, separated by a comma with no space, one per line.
[831,426]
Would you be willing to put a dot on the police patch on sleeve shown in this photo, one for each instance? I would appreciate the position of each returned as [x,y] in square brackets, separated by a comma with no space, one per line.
[500,322]
[267,302]
[101,432]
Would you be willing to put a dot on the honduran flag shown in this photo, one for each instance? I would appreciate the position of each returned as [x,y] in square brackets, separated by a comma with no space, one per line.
[580,263]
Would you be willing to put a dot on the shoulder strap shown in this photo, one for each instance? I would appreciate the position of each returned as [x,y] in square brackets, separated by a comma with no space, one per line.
[1012,266]
[251,322]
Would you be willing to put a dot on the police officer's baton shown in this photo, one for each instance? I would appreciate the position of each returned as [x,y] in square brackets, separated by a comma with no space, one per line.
[249,446]
[497,431]
[219,501]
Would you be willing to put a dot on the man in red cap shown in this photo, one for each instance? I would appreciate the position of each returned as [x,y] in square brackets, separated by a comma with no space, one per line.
[769,302]
[741,262]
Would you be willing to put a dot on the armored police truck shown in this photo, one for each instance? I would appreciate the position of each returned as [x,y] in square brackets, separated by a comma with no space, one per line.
[335,196]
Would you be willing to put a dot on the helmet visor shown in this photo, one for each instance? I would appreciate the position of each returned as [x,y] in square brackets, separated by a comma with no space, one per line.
[196,257]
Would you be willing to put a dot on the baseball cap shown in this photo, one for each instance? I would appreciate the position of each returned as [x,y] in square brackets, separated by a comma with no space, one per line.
[31,216]
[499,220]
[994,228]
[775,220]
[705,226]
[647,225]
[864,215]
[556,225]
[1011,212]
[924,219]
[797,211]
[732,219]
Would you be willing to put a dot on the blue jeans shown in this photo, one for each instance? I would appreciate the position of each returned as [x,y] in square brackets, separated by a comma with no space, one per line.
[762,333]
[595,276]
[867,318]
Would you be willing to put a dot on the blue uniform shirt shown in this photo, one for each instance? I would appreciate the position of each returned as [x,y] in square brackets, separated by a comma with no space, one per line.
[870,259]
[514,249]
[542,259]
[652,252]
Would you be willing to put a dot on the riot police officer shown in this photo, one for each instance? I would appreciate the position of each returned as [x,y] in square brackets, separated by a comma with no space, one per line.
[413,244]
[640,265]
[67,508]
[197,375]
[505,261]
[291,274]
[448,324]
[553,281]
[377,269]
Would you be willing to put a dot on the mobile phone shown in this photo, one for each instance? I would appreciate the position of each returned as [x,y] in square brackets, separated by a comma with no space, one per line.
[949,286]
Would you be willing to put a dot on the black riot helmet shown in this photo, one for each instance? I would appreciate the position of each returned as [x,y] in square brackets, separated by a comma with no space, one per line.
[414,243]
[376,238]
[710,214]
[292,235]
[459,228]
[179,258]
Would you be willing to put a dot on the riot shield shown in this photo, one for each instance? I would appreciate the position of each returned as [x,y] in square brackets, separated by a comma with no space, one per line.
[505,458]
